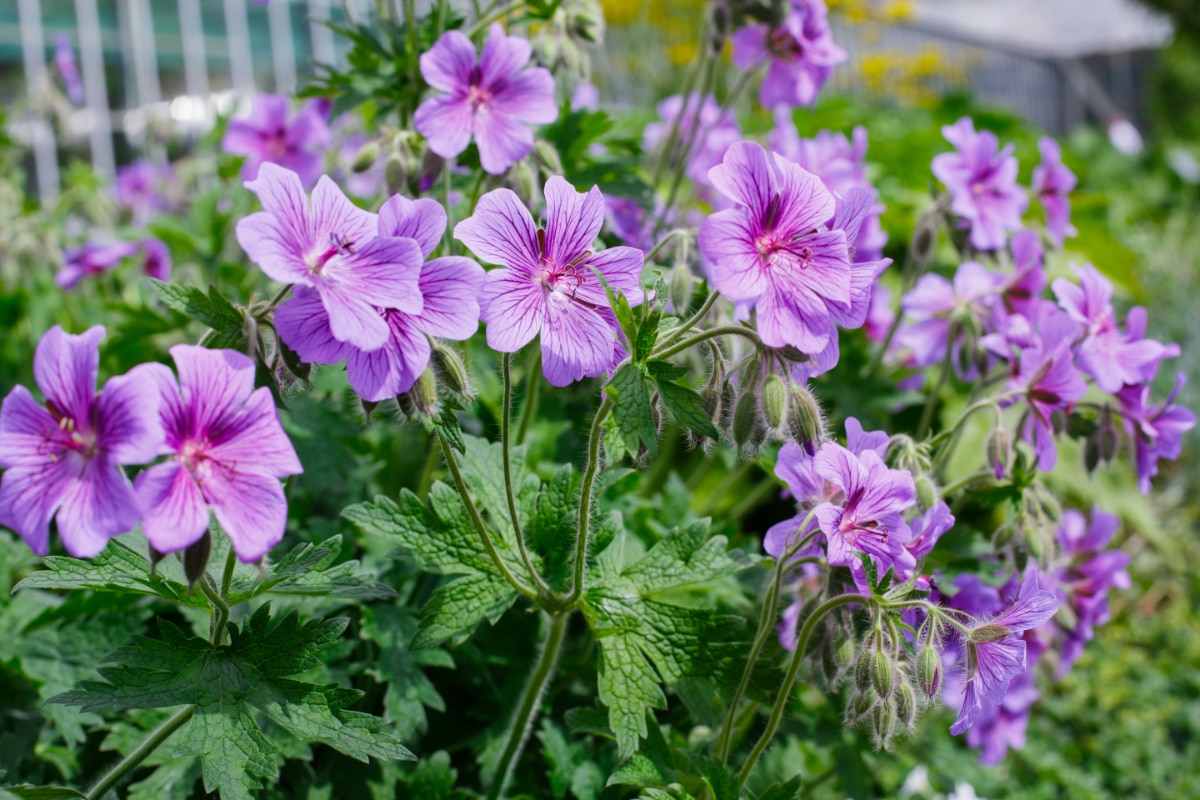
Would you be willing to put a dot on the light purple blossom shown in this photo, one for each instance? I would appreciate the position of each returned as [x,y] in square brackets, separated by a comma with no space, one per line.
[880,315]
[1157,430]
[1053,183]
[982,180]
[365,183]
[331,247]
[227,453]
[629,222]
[927,529]
[142,188]
[702,123]
[449,289]
[936,306]
[68,68]
[267,136]
[775,250]
[1084,582]
[91,258]
[548,284]
[493,98]
[1111,357]
[999,727]
[841,165]
[586,97]
[64,458]
[800,50]
[156,258]
[995,652]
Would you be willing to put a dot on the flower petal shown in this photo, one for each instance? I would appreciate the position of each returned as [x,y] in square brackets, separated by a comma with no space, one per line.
[303,324]
[573,220]
[253,441]
[29,496]
[25,427]
[393,368]
[96,507]
[214,384]
[175,514]
[513,307]
[65,367]
[501,231]
[447,66]
[251,509]
[528,97]
[727,240]
[577,342]
[502,55]
[793,315]
[127,418]
[447,123]
[384,273]
[334,217]
[423,220]
[450,287]
[502,140]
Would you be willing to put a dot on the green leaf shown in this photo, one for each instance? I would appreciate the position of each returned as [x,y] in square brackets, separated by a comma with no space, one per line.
[665,370]
[571,766]
[628,686]
[229,686]
[647,333]
[787,790]
[620,307]
[632,412]
[552,532]
[28,792]
[687,406]
[211,310]
[409,691]
[309,570]
[684,557]
[637,771]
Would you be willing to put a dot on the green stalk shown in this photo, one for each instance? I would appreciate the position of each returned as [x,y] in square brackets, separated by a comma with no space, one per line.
[789,681]
[151,743]
[477,521]
[693,320]
[503,11]
[519,731]
[585,501]
[506,445]
[724,330]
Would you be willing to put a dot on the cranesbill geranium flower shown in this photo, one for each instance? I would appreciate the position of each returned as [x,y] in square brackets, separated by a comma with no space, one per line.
[1053,183]
[141,188]
[268,137]
[91,258]
[936,306]
[332,248]
[68,68]
[449,289]
[801,52]
[995,651]
[548,284]
[776,252]
[982,180]
[1157,430]
[64,458]
[1083,583]
[227,453]
[156,259]
[700,122]
[495,98]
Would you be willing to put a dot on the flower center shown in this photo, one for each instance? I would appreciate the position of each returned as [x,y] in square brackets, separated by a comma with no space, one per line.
[66,437]
[338,246]
[566,278]
[852,529]
[477,95]
[782,45]
[192,453]
[276,143]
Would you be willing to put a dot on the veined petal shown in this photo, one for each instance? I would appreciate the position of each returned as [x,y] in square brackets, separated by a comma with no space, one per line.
[746,177]
[840,467]
[303,324]
[450,287]
[271,244]
[528,97]
[214,384]
[621,267]
[282,197]
[393,368]
[573,220]
[97,506]
[446,122]
[501,231]
[727,240]
[576,341]
[792,315]
[253,441]
[501,56]
[384,273]
[65,367]
[804,202]
[335,218]
[250,508]
[502,140]
[513,306]
[352,320]
[127,419]
[423,220]
[25,426]
[447,66]
[29,496]
[175,514]
[998,663]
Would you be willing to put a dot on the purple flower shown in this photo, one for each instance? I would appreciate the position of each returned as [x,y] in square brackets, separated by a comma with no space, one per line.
[936,306]
[1157,431]
[549,285]
[776,252]
[494,98]
[983,183]
[586,97]
[157,258]
[331,247]
[926,529]
[1112,358]
[68,69]
[841,166]
[1021,292]
[1084,582]
[866,514]
[267,137]
[995,651]
[801,51]
[702,123]
[142,187]
[91,258]
[1001,726]
[227,453]
[65,458]
[629,222]
[449,289]
[1052,183]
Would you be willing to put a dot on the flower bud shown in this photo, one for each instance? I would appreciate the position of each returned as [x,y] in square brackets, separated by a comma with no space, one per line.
[426,391]
[804,419]
[859,706]
[395,174]
[999,451]
[989,632]
[929,671]
[525,181]
[451,369]
[681,283]
[365,158]
[906,704]
[195,558]
[883,723]
[547,156]
[775,401]
[881,674]
[745,419]
[845,652]
[927,496]
[863,668]
[793,354]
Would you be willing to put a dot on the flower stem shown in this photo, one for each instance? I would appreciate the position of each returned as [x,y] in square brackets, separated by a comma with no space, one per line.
[506,445]
[530,401]
[477,521]
[693,320]
[789,681]
[151,743]
[765,624]
[427,472]
[653,251]
[585,500]
[724,330]
[943,376]
[518,732]
[503,11]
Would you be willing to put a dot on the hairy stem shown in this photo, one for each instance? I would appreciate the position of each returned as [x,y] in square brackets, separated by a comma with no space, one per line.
[518,732]
[506,445]
[129,763]
[724,330]
[496,15]
[585,500]
[693,320]
[427,471]
[530,401]
[477,521]
[789,681]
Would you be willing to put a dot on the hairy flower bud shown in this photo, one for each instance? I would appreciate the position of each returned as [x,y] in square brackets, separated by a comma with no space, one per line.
[845,652]
[805,422]
[989,632]
[999,451]
[547,156]
[525,181]
[882,677]
[451,369]
[195,558]
[929,672]
[863,668]
[395,174]
[906,704]
[745,419]
[775,401]
[681,283]
[927,496]
[883,723]
[365,158]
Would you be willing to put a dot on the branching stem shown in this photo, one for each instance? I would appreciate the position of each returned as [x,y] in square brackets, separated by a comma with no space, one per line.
[585,500]
[129,763]
[724,330]
[506,445]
